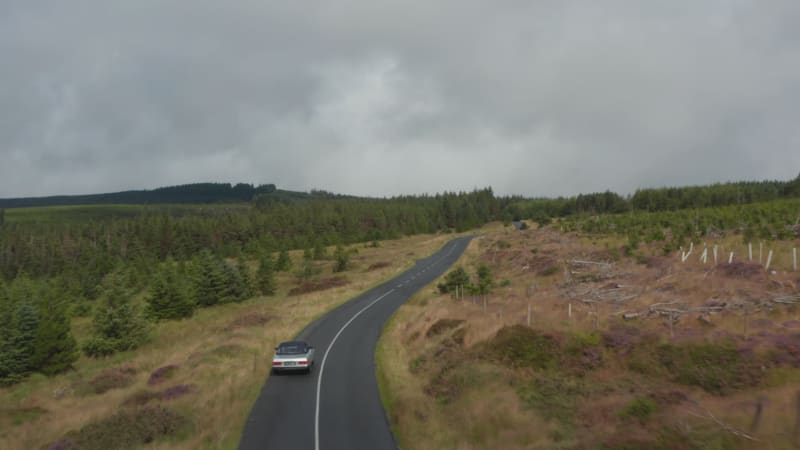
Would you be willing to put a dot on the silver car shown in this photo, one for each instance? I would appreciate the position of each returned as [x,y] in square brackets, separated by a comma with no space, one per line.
[293,356]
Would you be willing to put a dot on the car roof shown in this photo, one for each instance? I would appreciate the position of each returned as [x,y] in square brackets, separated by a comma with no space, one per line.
[292,343]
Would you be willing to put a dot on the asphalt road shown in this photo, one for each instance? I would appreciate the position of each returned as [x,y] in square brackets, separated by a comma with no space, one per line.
[338,406]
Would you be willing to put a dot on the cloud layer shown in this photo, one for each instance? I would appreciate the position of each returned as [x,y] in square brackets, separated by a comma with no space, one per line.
[386,97]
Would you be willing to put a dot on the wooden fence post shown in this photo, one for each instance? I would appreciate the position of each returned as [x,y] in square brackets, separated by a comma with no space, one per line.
[597,315]
[750,250]
[769,260]
[671,325]
[757,416]
[730,259]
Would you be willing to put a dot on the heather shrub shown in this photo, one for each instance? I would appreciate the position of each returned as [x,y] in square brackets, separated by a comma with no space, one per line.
[127,429]
[640,408]
[115,378]
[716,368]
[162,374]
[520,346]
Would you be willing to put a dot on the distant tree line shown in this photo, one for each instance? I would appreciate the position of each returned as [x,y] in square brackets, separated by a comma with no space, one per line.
[188,193]
[543,210]
[82,253]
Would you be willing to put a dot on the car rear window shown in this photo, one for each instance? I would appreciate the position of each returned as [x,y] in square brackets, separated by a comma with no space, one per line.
[291,349]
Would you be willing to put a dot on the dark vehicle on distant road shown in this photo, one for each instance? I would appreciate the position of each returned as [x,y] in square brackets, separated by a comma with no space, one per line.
[293,356]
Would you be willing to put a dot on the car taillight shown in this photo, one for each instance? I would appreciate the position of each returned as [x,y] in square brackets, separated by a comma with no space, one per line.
[276,363]
[303,363]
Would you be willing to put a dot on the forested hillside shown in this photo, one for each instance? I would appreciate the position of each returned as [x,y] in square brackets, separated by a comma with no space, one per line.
[52,270]
[656,199]
[188,193]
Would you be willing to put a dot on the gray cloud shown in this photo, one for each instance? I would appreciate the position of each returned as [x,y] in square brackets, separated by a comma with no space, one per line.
[388,97]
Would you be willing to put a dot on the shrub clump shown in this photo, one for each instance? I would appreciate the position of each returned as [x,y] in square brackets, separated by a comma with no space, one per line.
[144,397]
[128,428]
[583,353]
[442,326]
[114,378]
[162,374]
[717,369]
[641,409]
[785,351]
[319,285]
[520,346]
[378,265]
[554,398]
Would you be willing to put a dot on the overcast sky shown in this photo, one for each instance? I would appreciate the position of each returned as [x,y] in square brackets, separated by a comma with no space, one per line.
[371,97]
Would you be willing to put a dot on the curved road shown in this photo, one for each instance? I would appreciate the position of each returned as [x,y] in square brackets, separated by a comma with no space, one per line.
[338,406]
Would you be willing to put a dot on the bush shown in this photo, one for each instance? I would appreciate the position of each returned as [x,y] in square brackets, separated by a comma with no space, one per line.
[342,258]
[641,409]
[520,346]
[552,269]
[554,398]
[583,352]
[162,374]
[127,429]
[717,369]
[97,347]
[453,280]
[114,378]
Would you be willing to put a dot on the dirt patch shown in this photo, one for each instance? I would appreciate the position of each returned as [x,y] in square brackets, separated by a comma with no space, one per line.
[162,374]
[114,378]
[441,326]
[378,265]
[319,285]
[543,265]
[657,262]
[745,270]
[252,319]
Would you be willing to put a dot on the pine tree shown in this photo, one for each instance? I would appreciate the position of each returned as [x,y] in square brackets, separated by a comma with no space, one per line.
[233,285]
[55,347]
[266,276]
[24,340]
[319,252]
[456,279]
[485,281]
[118,325]
[307,269]
[168,298]
[209,280]
[247,280]
[284,263]
[342,258]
